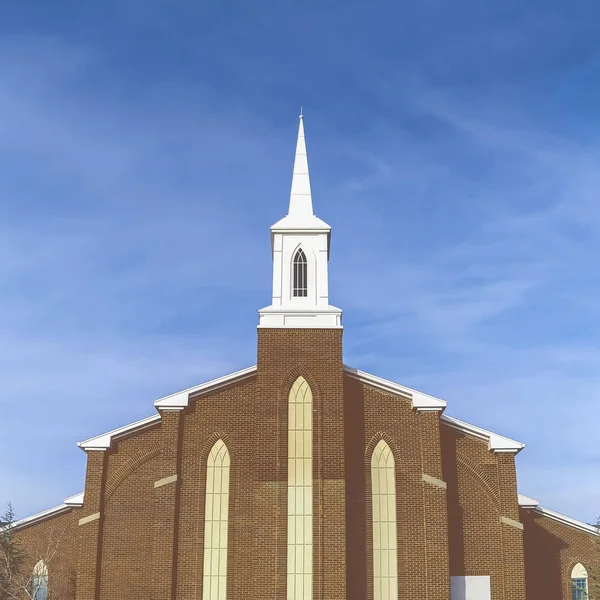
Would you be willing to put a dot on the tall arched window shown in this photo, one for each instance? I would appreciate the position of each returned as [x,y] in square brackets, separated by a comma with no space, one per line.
[579,583]
[300,492]
[216,516]
[300,288]
[39,581]
[385,537]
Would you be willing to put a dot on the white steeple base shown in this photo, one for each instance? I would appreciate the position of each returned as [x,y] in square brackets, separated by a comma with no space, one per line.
[328,317]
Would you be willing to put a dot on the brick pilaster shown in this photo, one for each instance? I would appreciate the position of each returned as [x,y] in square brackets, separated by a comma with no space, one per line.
[166,507]
[90,528]
[437,561]
[283,355]
[512,530]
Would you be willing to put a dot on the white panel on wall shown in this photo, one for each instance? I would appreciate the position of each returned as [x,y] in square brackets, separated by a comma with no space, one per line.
[470,588]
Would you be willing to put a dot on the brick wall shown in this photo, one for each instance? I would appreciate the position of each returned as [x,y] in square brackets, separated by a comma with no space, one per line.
[148,541]
[284,355]
[552,549]
[480,494]
[372,415]
[227,414]
[127,517]
[53,540]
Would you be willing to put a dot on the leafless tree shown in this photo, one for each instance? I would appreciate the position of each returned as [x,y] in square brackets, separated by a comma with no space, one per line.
[33,573]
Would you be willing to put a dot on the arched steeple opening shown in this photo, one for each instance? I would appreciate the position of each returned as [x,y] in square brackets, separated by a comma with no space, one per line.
[300,275]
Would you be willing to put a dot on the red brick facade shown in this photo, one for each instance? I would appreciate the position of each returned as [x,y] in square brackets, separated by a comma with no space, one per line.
[140,531]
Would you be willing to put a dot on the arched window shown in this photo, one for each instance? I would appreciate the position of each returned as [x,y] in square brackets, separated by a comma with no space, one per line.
[216,516]
[579,583]
[385,537]
[300,493]
[300,288]
[39,581]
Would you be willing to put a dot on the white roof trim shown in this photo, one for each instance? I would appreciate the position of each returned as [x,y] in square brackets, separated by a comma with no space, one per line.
[175,401]
[103,441]
[180,400]
[76,500]
[531,503]
[425,402]
[68,504]
[419,400]
[496,442]
[528,502]
[45,514]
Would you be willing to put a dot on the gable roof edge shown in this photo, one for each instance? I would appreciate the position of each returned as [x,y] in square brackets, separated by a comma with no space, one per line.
[419,400]
[180,400]
[68,504]
[104,440]
[533,504]
[496,442]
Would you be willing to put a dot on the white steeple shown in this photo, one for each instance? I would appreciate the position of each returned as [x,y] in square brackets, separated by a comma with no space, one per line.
[300,243]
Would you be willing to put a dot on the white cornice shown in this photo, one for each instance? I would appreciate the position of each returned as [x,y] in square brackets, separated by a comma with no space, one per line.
[67,505]
[424,402]
[180,400]
[76,500]
[496,442]
[419,400]
[530,503]
[175,401]
[104,440]
[41,516]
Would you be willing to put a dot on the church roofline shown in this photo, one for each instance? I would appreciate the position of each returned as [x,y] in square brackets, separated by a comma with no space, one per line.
[496,442]
[67,505]
[104,440]
[180,400]
[424,402]
[532,504]
[176,401]
[419,400]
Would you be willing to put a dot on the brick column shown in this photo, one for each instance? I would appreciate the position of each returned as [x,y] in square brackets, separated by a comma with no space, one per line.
[90,528]
[512,529]
[166,508]
[283,355]
[437,559]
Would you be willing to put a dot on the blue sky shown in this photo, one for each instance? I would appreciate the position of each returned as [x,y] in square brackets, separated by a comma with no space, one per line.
[147,146]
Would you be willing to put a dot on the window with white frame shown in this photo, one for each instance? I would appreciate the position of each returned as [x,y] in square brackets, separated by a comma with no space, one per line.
[300,275]
[385,533]
[300,492]
[579,583]
[39,581]
[216,518]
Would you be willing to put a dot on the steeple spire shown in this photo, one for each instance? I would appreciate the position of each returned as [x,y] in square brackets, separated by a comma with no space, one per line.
[300,197]
[300,245]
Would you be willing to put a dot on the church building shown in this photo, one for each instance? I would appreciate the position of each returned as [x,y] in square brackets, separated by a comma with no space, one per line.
[304,478]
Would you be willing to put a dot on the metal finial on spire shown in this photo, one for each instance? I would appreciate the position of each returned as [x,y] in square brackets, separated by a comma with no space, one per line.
[301,115]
